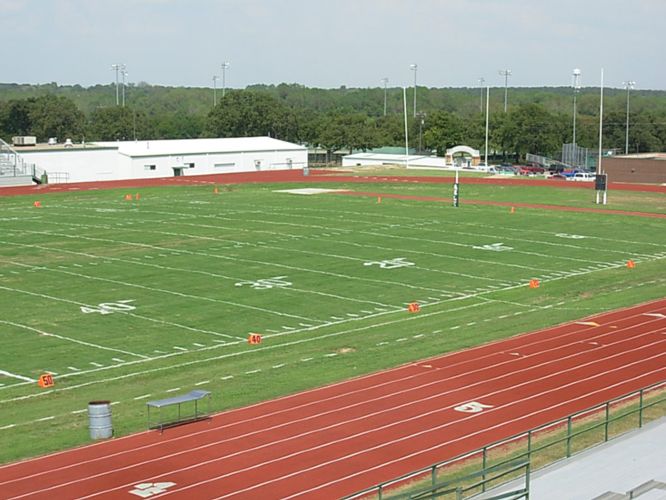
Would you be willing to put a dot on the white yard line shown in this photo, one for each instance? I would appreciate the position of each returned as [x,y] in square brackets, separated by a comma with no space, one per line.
[168,292]
[69,339]
[16,376]
[134,315]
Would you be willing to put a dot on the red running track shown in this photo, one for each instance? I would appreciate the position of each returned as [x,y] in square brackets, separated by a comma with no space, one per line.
[341,438]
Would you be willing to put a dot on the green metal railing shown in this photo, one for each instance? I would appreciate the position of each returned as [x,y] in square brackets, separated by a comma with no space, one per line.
[537,447]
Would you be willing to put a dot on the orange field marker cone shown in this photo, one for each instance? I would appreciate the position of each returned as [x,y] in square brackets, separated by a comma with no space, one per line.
[534,283]
[413,307]
[513,210]
[216,190]
[137,197]
[254,339]
[379,199]
[128,197]
[631,264]
[37,204]
[45,381]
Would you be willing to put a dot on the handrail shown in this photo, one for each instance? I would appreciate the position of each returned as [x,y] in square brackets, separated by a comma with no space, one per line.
[379,488]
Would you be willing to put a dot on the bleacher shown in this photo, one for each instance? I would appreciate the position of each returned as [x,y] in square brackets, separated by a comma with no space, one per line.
[15,171]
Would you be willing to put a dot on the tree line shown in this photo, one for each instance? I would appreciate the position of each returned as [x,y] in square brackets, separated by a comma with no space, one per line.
[538,120]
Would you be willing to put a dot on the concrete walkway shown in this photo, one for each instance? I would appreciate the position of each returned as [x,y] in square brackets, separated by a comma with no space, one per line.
[609,471]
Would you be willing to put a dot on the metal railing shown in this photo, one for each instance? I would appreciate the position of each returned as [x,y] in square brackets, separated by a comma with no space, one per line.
[539,446]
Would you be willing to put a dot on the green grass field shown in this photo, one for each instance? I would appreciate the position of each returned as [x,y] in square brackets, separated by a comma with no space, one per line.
[135,301]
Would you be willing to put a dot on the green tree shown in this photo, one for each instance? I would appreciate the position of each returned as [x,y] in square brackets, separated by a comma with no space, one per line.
[249,113]
[443,130]
[118,124]
[54,116]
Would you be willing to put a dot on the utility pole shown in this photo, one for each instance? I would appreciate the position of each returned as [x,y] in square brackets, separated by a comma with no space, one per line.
[628,85]
[215,78]
[385,82]
[225,66]
[576,89]
[414,67]
[116,67]
[506,73]
[123,71]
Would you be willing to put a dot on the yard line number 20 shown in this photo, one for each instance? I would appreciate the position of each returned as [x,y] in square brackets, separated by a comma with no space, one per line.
[110,307]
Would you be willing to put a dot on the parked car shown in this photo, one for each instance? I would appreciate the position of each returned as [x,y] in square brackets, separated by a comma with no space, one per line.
[583,177]
[506,170]
[529,170]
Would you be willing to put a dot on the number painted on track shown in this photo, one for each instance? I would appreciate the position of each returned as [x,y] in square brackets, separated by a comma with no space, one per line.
[472,407]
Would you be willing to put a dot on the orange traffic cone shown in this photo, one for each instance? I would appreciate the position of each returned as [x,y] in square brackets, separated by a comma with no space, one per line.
[513,210]
[37,204]
[128,197]
[379,199]
[631,264]
[534,283]
[216,190]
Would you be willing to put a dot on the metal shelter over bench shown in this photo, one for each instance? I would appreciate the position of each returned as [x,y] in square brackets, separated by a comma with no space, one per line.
[192,396]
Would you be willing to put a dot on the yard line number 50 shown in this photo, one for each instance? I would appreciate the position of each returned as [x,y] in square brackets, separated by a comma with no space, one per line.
[110,307]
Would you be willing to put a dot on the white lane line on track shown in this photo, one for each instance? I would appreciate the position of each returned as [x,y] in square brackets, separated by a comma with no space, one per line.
[438,395]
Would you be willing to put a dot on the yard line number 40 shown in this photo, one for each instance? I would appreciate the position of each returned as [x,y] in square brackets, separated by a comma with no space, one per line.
[110,307]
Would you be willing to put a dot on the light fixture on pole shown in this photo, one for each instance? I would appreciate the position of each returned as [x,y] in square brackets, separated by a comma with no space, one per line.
[628,85]
[225,66]
[506,73]
[414,67]
[576,89]
[481,82]
[215,79]
[385,82]
[123,71]
[116,67]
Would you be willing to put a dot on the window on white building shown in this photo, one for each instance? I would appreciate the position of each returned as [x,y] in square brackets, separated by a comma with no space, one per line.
[150,167]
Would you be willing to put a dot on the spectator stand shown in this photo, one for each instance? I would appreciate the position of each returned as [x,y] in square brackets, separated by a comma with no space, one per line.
[178,410]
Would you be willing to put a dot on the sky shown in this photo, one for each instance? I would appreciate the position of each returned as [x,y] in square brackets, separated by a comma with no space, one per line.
[331,43]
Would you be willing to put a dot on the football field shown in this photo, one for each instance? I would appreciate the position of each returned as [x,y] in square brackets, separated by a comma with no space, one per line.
[132,300]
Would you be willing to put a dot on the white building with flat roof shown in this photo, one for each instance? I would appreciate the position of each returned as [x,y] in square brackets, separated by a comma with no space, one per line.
[163,158]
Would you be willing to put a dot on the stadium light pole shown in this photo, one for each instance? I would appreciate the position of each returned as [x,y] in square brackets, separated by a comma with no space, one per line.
[414,68]
[116,67]
[506,73]
[487,115]
[404,103]
[601,129]
[225,66]
[123,71]
[385,82]
[215,78]
[628,85]
[576,89]
[481,82]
